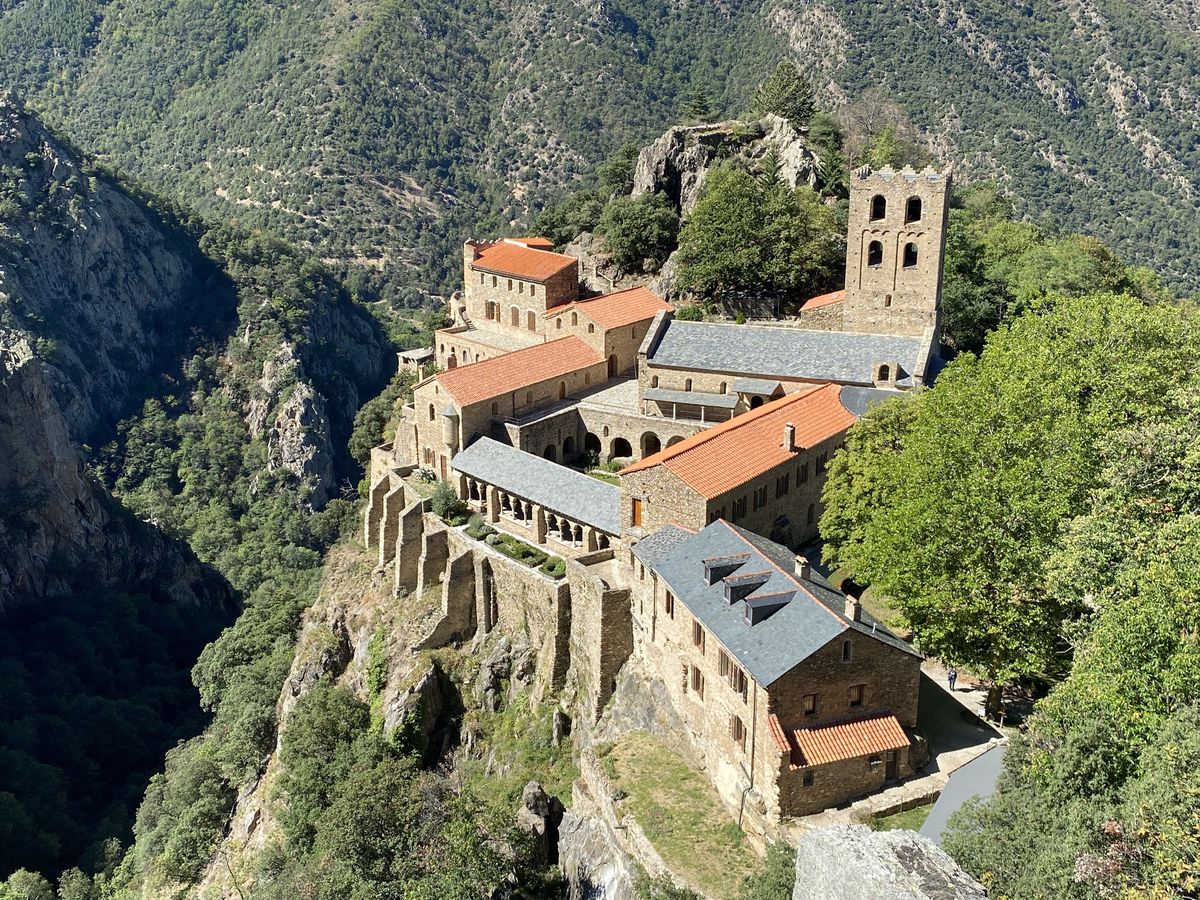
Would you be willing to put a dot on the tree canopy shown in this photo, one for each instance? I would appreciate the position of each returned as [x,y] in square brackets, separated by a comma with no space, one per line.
[786,93]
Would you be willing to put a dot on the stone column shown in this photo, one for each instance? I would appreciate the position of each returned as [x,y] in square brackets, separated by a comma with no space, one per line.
[539,524]
[590,541]
[492,501]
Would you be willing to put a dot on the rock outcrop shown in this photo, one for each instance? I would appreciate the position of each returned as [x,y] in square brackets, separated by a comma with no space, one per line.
[58,528]
[678,163]
[849,862]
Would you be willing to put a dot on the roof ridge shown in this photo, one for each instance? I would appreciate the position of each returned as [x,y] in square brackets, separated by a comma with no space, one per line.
[747,418]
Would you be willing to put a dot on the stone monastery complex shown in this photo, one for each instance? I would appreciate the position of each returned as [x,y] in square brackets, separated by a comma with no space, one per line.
[687,568]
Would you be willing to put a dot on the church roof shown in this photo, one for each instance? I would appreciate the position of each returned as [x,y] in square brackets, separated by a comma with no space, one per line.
[512,371]
[775,352]
[618,309]
[532,263]
[719,459]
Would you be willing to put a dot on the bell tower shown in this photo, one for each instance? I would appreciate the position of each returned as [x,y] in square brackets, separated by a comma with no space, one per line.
[895,248]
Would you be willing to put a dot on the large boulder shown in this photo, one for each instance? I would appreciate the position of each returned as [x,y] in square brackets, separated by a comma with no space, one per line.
[851,862]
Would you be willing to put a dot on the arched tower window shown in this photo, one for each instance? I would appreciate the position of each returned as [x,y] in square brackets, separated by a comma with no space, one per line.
[574,318]
[878,207]
[875,254]
[431,412]
[531,320]
[910,256]
[912,211]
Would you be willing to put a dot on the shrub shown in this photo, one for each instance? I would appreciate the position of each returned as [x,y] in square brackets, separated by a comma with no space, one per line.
[446,505]
[554,567]
[690,312]
[639,231]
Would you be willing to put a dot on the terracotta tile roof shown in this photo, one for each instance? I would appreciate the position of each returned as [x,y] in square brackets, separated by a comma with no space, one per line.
[777,732]
[618,309]
[513,371]
[824,300]
[538,243]
[730,454]
[821,744]
[534,263]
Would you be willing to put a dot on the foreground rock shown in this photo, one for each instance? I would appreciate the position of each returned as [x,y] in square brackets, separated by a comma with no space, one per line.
[851,862]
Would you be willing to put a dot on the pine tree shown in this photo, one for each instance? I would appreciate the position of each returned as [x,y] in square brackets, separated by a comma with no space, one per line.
[699,105]
[786,93]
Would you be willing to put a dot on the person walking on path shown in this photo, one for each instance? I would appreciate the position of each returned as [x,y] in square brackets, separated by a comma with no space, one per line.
[952,677]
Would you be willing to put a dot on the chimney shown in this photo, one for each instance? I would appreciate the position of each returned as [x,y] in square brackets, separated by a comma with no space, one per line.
[789,437]
[803,568]
[853,609]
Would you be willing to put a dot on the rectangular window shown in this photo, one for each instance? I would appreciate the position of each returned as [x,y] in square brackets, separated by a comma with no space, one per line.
[807,781]
[669,604]
[520,287]
[856,694]
[739,508]
[510,284]
[810,704]
[722,663]
[737,731]
[781,485]
[698,682]
[636,514]
[760,497]
[874,762]
[481,278]
[739,682]
[494,282]
[802,478]
[698,636]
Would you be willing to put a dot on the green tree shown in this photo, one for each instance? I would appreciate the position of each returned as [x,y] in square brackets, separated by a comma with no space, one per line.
[776,880]
[25,885]
[745,235]
[639,233]
[699,105]
[994,461]
[786,93]
[616,172]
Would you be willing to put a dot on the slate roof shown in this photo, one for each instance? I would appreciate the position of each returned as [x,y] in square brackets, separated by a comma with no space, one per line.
[618,309]
[730,454]
[559,489]
[649,550]
[532,263]
[978,778]
[513,371]
[810,619]
[859,399]
[773,352]
[694,398]
[763,386]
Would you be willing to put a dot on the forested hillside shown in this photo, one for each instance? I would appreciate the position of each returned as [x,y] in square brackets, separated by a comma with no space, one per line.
[384,132]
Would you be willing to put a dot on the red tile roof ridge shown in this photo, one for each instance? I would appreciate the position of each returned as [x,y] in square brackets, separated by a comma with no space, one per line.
[582,305]
[820,300]
[510,257]
[702,437]
[849,738]
[512,371]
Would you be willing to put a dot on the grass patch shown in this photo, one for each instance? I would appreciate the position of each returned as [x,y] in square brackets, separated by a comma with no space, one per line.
[910,819]
[681,815]
[521,749]
[604,476]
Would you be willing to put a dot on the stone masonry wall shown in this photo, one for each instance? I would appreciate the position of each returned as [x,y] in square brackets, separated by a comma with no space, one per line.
[601,631]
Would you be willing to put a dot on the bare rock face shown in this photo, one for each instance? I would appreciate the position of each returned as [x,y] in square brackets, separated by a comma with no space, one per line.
[541,815]
[849,862]
[678,163]
[92,274]
[59,528]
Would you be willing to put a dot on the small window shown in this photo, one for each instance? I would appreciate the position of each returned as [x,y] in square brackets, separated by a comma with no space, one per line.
[847,651]
[812,513]
[591,328]
[431,412]
[698,682]
[781,485]
[495,409]
[910,256]
[802,478]
[558,323]
[878,207]
[698,636]
[875,254]
[531,320]
[887,301]
[481,278]
[653,381]
[520,287]
[856,694]
[510,284]
[687,385]
[739,508]
[912,211]
[574,318]
[807,780]
[885,372]
[737,731]
[562,390]
[760,497]
[722,663]
[669,604]
[635,515]
[874,761]
[494,282]
[810,704]
[722,389]
[739,682]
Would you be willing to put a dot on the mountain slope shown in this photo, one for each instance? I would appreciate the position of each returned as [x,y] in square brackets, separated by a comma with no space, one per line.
[383,132]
